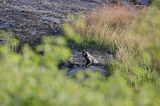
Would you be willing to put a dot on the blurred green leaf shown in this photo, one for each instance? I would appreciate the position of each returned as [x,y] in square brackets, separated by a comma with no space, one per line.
[70,34]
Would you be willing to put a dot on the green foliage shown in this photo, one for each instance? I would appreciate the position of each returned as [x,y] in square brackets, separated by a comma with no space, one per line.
[148,26]
[31,80]
[70,34]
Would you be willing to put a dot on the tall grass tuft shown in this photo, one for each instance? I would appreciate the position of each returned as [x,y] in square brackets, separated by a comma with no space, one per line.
[107,26]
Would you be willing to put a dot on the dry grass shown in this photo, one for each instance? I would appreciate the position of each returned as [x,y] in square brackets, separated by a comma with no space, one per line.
[114,28]
[110,26]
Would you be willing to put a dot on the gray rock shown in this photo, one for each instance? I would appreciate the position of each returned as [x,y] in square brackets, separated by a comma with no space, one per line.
[6,25]
[52,19]
[73,71]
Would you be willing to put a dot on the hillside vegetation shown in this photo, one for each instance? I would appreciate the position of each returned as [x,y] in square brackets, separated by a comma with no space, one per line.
[131,33]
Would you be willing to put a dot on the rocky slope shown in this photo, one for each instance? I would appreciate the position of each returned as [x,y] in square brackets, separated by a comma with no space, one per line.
[29,20]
